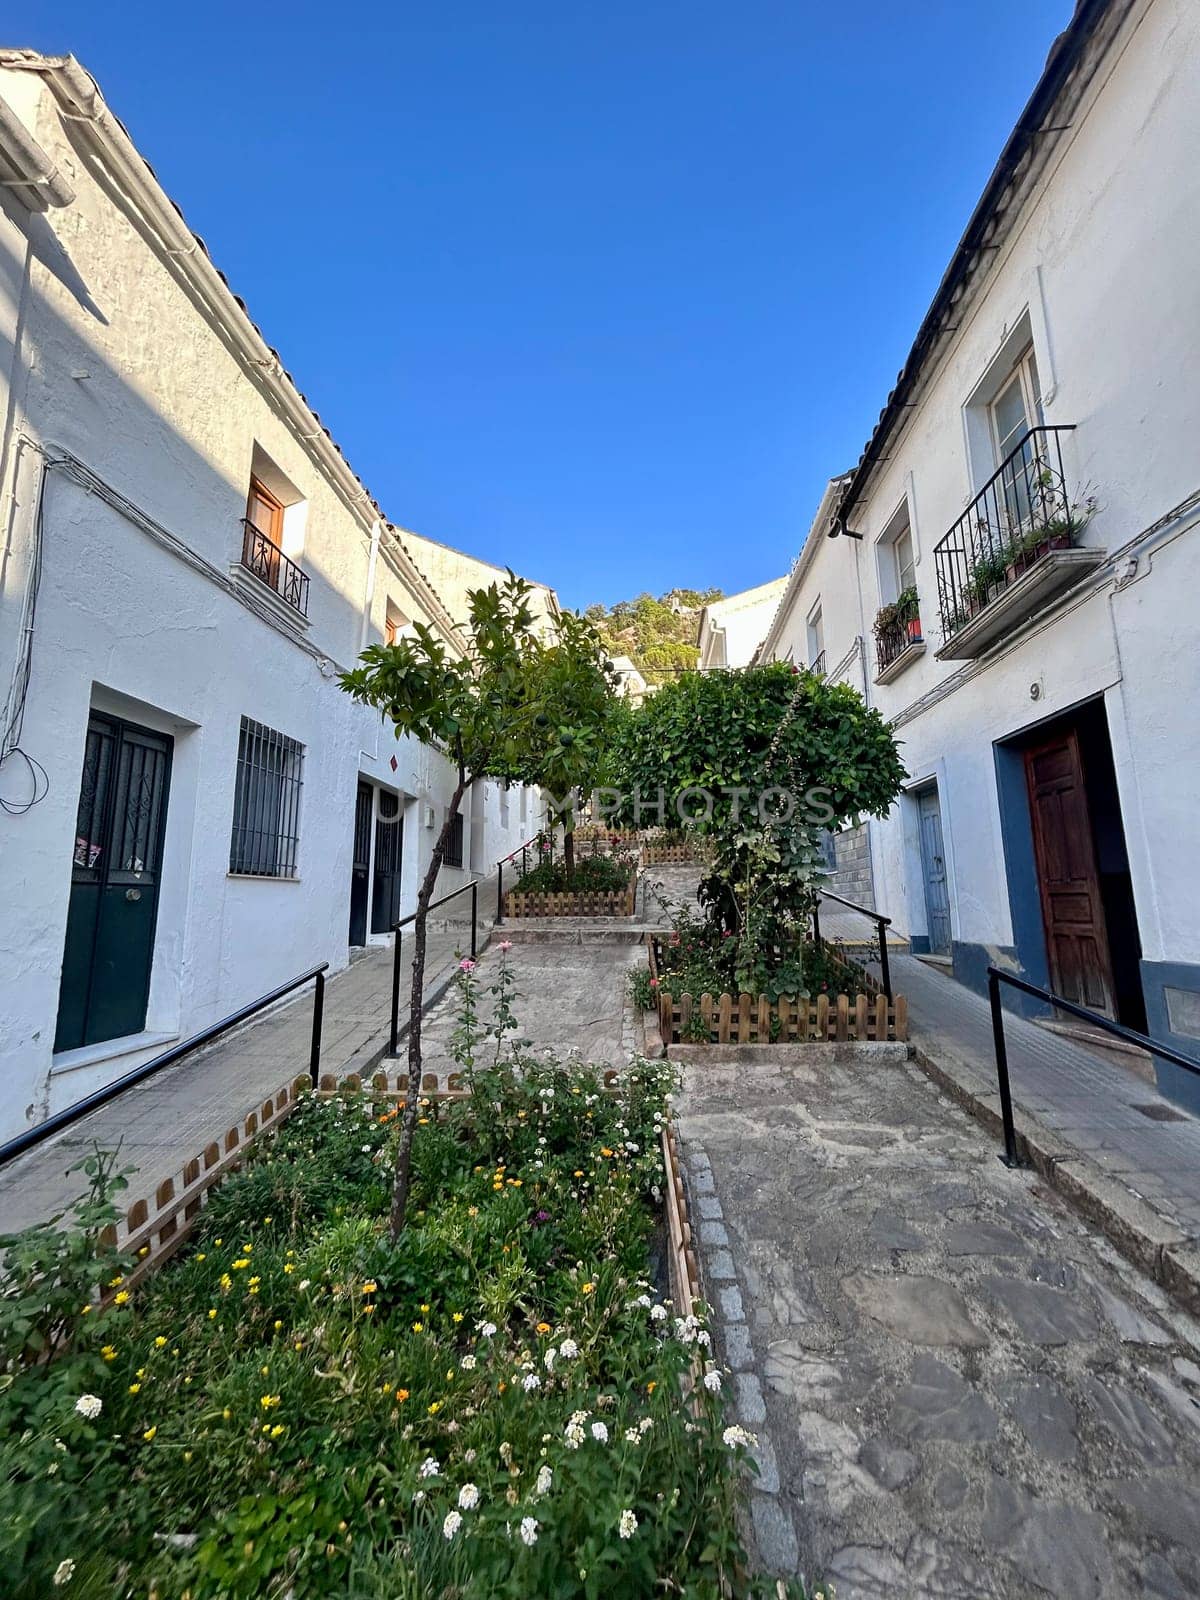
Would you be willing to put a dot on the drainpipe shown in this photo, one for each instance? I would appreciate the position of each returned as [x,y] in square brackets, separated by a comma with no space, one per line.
[36,172]
[369,598]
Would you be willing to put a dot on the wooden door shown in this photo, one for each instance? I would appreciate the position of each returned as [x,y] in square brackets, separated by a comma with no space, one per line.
[1068,879]
[116,861]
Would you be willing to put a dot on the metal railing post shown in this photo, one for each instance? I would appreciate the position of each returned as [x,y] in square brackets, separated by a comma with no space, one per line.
[885,971]
[474,917]
[816,924]
[318,1019]
[396,995]
[499,891]
[1009,1157]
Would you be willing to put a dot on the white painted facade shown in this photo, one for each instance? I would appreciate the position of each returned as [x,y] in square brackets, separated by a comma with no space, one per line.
[1093,261]
[137,398]
[731,629]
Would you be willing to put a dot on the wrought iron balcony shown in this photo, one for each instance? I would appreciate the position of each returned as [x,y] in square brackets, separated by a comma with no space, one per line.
[1013,549]
[818,665]
[897,643]
[263,557]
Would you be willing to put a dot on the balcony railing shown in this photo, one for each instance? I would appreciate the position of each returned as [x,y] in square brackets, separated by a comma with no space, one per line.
[263,557]
[818,665]
[1023,512]
[894,640]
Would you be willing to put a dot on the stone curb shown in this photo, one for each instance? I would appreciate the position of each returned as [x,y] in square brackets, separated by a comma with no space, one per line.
[1144,1237]
[814,1053]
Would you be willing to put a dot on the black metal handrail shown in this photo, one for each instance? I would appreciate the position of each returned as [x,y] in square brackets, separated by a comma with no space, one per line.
[93,1102]
[1118,1030]
[263,557]
[472,889]
[817,666]
[882,924]
[1022,510]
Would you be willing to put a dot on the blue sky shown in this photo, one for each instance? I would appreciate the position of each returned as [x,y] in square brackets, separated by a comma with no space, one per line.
[605,292]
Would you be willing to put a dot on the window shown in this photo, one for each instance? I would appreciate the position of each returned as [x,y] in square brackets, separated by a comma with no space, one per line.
[454,845]
[1017,406]
[395,624]
[272,532]
[265,512]
[816,640]
[266,803]
[897,557]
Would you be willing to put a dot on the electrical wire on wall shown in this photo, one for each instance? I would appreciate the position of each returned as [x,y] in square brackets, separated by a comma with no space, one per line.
[13,719]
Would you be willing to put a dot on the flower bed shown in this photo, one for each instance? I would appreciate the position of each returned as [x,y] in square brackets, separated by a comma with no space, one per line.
[297,1404]
[684,986]
[601,886]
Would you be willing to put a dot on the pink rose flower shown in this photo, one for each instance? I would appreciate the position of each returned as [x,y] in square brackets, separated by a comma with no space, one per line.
[506,945]
[466,965]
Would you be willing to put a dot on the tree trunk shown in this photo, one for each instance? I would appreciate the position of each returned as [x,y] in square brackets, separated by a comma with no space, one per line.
[569,849]
[420,922]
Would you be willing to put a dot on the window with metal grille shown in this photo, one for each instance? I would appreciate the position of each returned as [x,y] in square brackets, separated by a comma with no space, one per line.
[266,803]
[454,845]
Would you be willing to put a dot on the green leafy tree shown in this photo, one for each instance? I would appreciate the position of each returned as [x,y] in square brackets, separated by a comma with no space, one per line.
[761,761]
[515,707]
[659,635]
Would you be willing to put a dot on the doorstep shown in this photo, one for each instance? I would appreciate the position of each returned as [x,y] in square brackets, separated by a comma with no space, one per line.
[94,1055]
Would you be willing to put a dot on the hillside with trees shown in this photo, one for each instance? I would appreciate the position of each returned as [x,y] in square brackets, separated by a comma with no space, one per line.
[659,635]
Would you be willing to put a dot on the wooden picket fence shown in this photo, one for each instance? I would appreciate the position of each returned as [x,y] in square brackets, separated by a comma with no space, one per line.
[754,1019]
[572,902]
[664,855]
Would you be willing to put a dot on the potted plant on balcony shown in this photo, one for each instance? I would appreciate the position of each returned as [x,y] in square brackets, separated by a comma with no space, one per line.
[1059,531]
[902,617]
[987,580]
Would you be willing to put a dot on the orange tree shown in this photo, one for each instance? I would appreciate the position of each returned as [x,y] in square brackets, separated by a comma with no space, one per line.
[515,706]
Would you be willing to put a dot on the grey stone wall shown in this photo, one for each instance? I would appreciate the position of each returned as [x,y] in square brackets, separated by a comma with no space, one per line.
[851,878]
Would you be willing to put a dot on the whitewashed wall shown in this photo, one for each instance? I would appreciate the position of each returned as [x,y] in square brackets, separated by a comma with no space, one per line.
[103,356]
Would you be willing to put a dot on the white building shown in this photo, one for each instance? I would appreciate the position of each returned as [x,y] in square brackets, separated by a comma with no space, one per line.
[1034,476]
[193,810]
[630,684]
[731,629]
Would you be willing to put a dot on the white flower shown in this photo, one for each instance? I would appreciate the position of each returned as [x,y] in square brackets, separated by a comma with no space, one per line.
[645,1424]
[89,1406]
[600,1431]
[429,1468]
[467,1363]
[451,1525]
[642,1303]
[736,1435]
[65,1570]
[632,1436]
[544,1479]
[549,1359]
[419,1497]
[568,1349]
[574,1436]
[531,1381]
[712,1381]
[529,1530]
[468,1497]
[627,1526]
[304,1283]
[658,1313]
[488,1330]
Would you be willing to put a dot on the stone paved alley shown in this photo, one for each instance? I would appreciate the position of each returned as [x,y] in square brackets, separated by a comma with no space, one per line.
[960,1390]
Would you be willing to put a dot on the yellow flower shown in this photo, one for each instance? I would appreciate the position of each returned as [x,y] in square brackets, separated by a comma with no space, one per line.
[450,1376]
[543,1327]
[515,1182]
[435,1407]
[418,1327]
[187,1455]
[134,1388]
[253,1289]
[269,1401]
[472,1211]
[226,1281]
[277,1430]
[501,1386]
[113,1282]
[218,1241]
[604,1150]
[266,1219]
[85,1311]
[212,1312]
[264,1370]
[159,1342]
[149,1433]
[422,1122]
[278,1324]
[578,1173]
[651,1386]
[227,1413]
[240,1264]
[370,1286]
[425,1308]
[121,1297]
[401,1395]
[109,1353]
[520,1114]
[497,1185]
[367,1310]
[289,1266]
[456,1316]
[144,1251]
[200,1256]
[253,1281]
[589,1288]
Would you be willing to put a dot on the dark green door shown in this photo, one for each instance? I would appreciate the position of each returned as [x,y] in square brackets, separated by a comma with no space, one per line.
[115,868]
